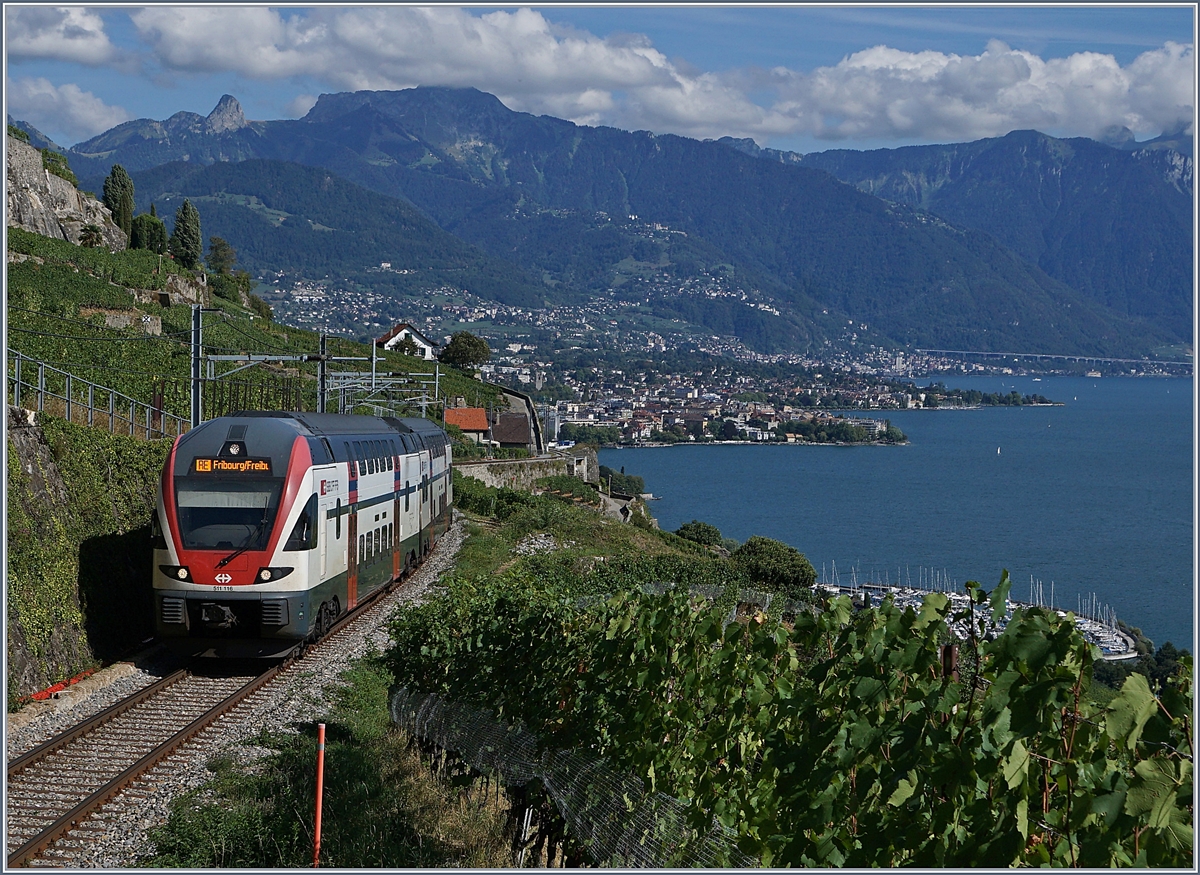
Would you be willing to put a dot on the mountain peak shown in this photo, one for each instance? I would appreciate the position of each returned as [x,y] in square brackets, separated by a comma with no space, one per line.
[227,116]
[1117,136]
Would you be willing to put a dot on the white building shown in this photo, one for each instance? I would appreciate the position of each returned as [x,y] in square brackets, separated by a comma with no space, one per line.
[426,348]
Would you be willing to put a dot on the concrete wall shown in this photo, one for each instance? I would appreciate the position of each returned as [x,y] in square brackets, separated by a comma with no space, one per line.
[521,473]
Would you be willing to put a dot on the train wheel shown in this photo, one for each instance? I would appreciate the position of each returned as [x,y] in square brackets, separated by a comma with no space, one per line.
[335,608]
[322,621]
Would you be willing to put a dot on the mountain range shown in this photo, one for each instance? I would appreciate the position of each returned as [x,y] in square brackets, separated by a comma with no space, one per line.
[1020,242]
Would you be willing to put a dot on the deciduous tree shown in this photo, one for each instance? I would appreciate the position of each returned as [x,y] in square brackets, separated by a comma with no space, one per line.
[465,350]
[221,256]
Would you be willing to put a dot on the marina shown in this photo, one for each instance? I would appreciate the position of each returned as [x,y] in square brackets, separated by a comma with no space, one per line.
[1101,631]
[1095,496]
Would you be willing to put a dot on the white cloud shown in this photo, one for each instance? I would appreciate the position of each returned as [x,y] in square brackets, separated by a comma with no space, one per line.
[66,108]
[535,66]
[301,104]
[886,93]
[57,33]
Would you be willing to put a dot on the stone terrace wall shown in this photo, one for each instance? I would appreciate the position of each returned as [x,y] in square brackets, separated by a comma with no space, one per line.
[521,473]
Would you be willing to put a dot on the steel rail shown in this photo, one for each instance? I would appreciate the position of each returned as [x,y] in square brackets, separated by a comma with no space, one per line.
[63,824]
[46,748]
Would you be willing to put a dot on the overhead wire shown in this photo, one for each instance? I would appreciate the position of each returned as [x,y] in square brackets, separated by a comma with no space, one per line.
[230,324]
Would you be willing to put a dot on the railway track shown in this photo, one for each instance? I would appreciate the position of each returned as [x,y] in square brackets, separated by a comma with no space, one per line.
[57,790]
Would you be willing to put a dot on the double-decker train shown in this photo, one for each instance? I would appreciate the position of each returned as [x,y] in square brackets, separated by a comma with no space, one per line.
[270,525]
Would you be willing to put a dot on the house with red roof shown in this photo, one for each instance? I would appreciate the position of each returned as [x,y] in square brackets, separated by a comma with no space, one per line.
[472,420]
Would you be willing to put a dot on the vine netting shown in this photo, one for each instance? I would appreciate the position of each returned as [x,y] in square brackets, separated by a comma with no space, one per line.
[607,811]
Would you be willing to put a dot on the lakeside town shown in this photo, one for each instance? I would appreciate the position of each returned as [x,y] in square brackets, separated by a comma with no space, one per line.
[609,372]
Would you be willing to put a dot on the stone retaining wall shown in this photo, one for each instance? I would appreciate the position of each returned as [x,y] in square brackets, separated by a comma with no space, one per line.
[521,473]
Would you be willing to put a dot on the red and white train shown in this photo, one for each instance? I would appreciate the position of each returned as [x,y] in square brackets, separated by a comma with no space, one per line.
[270,525]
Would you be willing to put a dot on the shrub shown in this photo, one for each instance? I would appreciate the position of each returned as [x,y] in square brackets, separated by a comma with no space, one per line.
[778,566]
[701,533]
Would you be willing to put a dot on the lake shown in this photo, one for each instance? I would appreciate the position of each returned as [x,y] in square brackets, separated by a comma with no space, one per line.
[1091,498]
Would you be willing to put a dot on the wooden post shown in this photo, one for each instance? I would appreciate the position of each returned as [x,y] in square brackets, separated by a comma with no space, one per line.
[320,793]
[950,661]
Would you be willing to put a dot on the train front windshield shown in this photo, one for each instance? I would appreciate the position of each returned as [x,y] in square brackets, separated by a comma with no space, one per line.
[226,515]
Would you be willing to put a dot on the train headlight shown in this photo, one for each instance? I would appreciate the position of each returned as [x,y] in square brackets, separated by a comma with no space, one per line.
[179,572]
[274,572]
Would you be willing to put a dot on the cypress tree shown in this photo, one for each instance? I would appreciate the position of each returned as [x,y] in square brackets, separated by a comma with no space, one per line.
[149,233]
[185,243]
[118,197]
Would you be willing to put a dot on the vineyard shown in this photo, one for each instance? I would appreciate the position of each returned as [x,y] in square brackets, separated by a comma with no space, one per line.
[74,307]
[820,735]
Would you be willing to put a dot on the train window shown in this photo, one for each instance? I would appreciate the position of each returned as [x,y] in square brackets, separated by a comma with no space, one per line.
[407,494]
[337,523]
[362,547]
[377,541]
[304,533]
[358,466]
[391,455]
[391,536]
[226,515]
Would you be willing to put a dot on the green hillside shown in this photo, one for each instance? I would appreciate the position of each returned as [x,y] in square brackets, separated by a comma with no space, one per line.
[58,304]
[284,216]
[1114,225]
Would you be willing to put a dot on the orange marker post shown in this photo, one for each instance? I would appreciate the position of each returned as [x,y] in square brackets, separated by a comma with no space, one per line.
[320,792]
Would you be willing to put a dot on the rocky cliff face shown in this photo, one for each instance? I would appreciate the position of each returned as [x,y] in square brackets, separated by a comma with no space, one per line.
[46,204]
[57,647]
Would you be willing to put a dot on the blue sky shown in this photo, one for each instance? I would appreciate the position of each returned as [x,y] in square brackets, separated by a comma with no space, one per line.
[796,77]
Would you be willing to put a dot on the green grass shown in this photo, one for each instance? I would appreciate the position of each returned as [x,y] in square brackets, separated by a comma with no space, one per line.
[382,808]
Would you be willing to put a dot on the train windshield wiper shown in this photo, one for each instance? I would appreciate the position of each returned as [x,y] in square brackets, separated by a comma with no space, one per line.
[250,539]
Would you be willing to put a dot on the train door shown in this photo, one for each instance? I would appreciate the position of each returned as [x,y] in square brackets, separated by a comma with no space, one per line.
[331,547]
[426,474]
[411,502]
[352,565]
